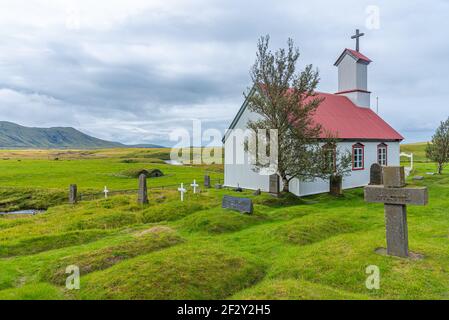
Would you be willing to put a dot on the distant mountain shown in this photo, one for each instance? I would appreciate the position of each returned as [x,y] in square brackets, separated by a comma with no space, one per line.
[15,136]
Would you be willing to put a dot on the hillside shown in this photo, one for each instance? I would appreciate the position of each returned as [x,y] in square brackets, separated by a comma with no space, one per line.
[14,136]
[418,149]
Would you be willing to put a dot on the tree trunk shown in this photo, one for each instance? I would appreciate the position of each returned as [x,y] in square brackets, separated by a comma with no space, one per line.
[336,185]
[285,183]
[440,168]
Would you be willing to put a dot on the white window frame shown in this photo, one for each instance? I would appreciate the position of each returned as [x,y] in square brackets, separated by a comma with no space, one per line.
[382,154]
[358,157]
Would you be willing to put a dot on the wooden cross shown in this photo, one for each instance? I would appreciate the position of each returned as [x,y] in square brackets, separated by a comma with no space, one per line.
[357,39]
[194,185]
[395,196]
[182,190]
[106,191]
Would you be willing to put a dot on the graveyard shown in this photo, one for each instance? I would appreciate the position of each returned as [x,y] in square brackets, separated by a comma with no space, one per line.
[313,247]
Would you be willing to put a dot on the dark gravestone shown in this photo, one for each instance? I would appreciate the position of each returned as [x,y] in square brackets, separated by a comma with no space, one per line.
[257,192]
[375,174]
[336,185]
[218,186]
[142,197]
[207,181]
[274,184]
[73,198]
[395,198]
[243,205]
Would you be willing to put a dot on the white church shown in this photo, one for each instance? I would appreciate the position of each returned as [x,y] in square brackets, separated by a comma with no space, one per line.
[347,114]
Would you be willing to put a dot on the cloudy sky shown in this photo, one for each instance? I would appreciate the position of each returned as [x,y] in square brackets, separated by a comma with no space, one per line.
[133,71]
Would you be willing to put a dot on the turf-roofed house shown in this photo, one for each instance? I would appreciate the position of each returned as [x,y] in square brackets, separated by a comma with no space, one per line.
[346,114]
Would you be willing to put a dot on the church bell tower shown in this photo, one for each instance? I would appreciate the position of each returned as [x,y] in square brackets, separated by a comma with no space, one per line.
[353,74]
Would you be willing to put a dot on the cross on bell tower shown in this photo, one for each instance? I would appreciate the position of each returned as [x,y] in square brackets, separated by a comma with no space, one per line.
[357,39]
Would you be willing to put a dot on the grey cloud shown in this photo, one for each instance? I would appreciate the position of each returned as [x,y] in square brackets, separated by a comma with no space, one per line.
[134,76]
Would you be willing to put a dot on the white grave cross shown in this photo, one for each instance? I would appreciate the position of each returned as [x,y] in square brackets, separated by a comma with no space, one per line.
[194,185]
[106,191]
[182,190]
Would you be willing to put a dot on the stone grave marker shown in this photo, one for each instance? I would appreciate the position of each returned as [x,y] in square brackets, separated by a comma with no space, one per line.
[218,186]
[142,197]
[106,192]
[395,197]
[257,192]
[243,205]
[73,191]
[375,174]
[274,184]
[207,181]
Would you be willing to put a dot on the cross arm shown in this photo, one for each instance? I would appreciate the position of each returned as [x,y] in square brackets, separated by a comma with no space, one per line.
[400,196]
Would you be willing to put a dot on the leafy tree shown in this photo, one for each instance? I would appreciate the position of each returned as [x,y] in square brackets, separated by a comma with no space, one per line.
[438,150]
[286,100]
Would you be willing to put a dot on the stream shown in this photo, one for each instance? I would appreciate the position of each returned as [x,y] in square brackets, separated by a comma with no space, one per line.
[29,212]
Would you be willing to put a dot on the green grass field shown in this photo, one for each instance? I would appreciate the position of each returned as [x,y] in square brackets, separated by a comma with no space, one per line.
[316,247]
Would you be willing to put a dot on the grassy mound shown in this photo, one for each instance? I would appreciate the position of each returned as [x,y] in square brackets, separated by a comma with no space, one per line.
[11,222]
[147,241]
[14,199]
[203,271]
[219,220]
[136,172]
[36,244]
[284,200]
[289,213]
[341,262]
[312,229]
[171,211]
[291,289]
[107,221]
[39,291]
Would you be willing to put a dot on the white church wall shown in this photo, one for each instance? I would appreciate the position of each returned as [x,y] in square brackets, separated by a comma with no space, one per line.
[358,178]
[242,174]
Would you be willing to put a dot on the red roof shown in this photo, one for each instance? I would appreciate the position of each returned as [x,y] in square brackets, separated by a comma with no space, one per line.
[357,55]
[340,116]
